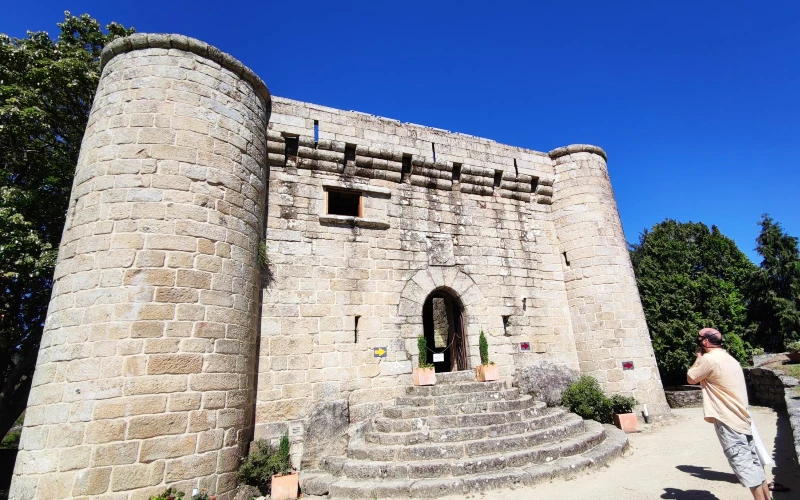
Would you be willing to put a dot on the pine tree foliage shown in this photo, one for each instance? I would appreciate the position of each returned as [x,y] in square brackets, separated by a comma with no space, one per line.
[774,289]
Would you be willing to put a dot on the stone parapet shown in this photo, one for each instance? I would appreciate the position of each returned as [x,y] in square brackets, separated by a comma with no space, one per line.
[145,372]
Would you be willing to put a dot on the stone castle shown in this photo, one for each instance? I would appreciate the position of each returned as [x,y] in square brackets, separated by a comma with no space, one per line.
[233,260]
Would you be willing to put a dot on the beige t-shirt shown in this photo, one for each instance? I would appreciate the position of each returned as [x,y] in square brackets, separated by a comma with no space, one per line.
[724,389]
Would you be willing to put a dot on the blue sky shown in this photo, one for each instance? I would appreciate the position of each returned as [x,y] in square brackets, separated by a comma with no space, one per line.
[696,103]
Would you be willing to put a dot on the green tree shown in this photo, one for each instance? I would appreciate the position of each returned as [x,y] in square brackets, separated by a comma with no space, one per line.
[46,91]
[774,290]
[690,277]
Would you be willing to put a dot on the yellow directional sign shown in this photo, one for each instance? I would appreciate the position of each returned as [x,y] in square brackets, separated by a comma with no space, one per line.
[379,352]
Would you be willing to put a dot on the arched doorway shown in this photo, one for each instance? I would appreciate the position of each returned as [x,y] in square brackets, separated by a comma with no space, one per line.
[443,325]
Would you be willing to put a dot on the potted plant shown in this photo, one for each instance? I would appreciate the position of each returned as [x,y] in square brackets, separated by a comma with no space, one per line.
[424,374]
[622,409]
[487,371]
[284,480]
[794,351]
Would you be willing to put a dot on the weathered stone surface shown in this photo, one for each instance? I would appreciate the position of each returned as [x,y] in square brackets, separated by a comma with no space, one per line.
[545,381]
[246,492]
[326,432]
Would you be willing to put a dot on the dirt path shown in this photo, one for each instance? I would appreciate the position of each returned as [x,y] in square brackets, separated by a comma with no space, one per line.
[680,459]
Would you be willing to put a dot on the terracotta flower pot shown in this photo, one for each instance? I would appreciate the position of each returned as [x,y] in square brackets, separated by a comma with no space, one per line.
[487,373]
[626,421]
[424,376]
[794,357]
[284,487]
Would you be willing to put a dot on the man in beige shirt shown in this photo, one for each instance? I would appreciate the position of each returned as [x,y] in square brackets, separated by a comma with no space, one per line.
[725,405]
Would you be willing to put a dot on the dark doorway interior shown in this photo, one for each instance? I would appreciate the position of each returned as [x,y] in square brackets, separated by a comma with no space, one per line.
[443,324]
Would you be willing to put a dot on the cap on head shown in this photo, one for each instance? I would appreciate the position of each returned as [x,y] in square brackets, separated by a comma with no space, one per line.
[714,336]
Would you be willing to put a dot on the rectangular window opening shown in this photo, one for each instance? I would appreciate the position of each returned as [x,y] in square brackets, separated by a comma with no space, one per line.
[292,145]
[316,132]
[406,170]
[349,154]
[355,328]
[534,185]
[505,326]
[566,260]
[433,148]
[344,202]
[456,172]
[498,177]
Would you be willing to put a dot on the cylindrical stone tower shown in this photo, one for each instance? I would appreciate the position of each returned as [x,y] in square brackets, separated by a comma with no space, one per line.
[611,335]
[145,372]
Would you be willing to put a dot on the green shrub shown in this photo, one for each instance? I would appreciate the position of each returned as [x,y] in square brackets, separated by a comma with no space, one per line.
[169,494]
[585,398]
[484,348]
[422,347]
[11,441]
[793,346]
[622,404]
[264,462]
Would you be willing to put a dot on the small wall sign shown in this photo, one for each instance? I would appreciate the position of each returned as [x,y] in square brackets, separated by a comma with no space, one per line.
[438,357]
[524,346]
[379,352]
[627,365]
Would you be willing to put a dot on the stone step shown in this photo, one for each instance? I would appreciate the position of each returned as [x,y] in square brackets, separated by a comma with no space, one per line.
[453,399]
[442,389]
[321,483]
[569,426]
[549,417]
[449,378]
[383,424]
[401,412]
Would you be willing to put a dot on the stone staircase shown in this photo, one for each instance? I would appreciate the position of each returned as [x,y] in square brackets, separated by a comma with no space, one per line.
[458,437]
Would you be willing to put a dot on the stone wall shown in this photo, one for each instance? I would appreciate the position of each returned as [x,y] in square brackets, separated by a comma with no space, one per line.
[491,246]
[468,215]
[145,372]
[766,388]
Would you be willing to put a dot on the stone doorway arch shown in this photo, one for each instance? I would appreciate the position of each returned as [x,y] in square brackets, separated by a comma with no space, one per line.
[424,283]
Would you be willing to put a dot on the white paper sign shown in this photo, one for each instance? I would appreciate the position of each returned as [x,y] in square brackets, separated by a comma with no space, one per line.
[438,357]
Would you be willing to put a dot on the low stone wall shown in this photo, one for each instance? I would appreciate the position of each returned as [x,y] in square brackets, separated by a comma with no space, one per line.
[765,388]
[684,396]
[768,388]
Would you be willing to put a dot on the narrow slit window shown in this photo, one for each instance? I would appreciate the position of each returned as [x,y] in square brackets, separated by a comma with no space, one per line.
[505,326]
[433,149]
[349,155]
[344,202]
[516,170]
[524,303]
[456,172]
[292,145]
[316,131]
[534,185]
[566,260]
[498,177]
[406,170]
[355,328]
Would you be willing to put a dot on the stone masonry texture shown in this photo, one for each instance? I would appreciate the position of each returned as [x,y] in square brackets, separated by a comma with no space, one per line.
[168,348]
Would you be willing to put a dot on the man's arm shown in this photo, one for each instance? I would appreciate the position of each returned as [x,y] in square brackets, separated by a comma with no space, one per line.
[699,370]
